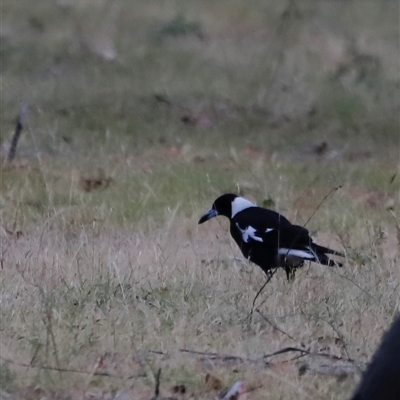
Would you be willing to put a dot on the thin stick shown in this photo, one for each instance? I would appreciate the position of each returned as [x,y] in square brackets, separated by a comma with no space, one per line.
[157,388]
[273,325]
[303,352]
[271,274]
[50,332]
[334,189]
[216,356]
[334,370]
[17,134]
[286,350]
[306,352]
[72,371]
[330,323]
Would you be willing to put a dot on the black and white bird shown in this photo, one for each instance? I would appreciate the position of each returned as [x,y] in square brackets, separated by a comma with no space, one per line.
[267,238]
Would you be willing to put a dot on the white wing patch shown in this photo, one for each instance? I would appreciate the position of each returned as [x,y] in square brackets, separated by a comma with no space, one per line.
[268,230]
[247,233]
[295,253]
[240,204]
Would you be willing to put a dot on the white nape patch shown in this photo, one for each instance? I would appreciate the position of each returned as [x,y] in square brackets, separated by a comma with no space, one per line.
[268,230]
[240,204]
[295,253]
[247,233]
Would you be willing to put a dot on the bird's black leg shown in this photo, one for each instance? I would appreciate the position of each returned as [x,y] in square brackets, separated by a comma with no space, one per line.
[269,274]
[290,273]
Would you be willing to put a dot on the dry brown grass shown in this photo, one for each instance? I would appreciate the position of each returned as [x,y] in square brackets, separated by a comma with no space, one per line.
[81,294]
[137,119]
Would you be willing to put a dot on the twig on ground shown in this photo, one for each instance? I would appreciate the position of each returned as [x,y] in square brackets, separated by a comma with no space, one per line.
[308,353]
[17,133]
[160,353]
[303,352]
[157,388]
[357,285]
[344,345]
[341,371]
[273,325]
[49,329]
[216,356]
[340,336]
[286,350]
[72,371]
[271,274]
[333,190]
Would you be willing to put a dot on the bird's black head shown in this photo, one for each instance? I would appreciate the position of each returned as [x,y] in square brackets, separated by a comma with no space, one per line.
[228,205]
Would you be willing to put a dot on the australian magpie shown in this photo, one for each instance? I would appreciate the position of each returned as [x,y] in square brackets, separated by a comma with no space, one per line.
[267,238]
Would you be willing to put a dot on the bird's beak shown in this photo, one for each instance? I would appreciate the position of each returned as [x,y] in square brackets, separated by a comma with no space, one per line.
[211,213]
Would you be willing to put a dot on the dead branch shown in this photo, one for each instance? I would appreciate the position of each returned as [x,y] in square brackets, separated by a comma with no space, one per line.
[72,371]
[340,336]
[287,350]
[341,371]
[159,353]
[220,357]
[157,388]
[308,353]
[47,320]
[269,277]
[17,133]
[273,325]
[263,359]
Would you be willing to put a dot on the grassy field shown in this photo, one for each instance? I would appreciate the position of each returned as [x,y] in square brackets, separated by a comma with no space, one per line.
[139,114]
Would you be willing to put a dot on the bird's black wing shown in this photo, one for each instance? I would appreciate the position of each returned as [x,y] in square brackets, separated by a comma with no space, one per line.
[260,233]
[260,218]
[268,239]
[258,225]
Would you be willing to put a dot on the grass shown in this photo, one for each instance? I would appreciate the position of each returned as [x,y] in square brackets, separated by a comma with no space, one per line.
[167,106]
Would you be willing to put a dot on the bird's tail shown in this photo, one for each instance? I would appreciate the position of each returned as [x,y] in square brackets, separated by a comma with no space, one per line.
[320,254]
[323,259]
[324,250]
